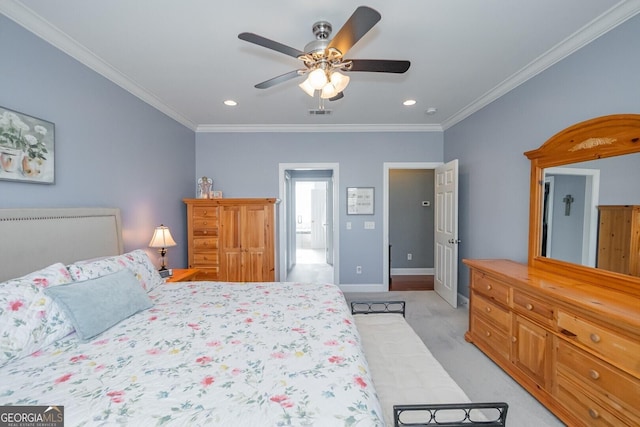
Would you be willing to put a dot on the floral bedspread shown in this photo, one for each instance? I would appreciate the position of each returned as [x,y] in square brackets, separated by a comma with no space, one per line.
[265,354]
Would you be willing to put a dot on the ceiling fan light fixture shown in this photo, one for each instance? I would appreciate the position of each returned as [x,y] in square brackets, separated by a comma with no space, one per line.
[317,78]
[329,91]
[306,86]
[339,81]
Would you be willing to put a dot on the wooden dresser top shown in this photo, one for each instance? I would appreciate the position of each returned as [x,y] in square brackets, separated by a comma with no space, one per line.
[616,307]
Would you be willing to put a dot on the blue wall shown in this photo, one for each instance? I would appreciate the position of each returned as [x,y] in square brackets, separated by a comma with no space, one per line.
[111,149]
[247,165]
[600,79]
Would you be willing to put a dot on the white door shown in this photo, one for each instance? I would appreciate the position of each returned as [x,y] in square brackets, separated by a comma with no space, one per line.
[446,232]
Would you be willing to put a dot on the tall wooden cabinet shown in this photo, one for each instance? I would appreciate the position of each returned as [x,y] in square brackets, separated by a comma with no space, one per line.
[232,240]
[619,239]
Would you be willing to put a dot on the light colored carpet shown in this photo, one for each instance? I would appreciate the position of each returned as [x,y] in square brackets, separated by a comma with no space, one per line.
[442,329]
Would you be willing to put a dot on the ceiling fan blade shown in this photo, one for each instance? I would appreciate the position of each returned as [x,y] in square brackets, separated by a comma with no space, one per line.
[340,95]
[274,81]
[362,20]
[270,44]
[378,65]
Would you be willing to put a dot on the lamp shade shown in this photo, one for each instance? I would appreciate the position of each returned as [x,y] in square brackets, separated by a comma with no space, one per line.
[306,86]
[339,81]
[317,78]
[328,91]
[162,238]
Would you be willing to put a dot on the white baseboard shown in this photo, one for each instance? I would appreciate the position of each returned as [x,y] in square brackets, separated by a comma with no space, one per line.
[363,288]
[412,271]
[463,301]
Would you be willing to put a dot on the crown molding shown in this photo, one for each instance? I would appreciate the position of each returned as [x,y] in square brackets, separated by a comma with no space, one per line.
[25,17]
[318,128]
[588,33]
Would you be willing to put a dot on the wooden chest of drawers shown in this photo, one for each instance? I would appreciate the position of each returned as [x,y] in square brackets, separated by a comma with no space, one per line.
[574,347]
[232,240]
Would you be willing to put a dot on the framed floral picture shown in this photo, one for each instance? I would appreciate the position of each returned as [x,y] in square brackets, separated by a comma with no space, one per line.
[26,148]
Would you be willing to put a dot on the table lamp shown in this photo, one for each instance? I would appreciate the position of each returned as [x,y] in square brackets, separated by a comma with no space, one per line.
[162,239]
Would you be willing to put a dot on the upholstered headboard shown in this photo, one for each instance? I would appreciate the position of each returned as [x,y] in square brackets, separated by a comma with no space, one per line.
[31,239]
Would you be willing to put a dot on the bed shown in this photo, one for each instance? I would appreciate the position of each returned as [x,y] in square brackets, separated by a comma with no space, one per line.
[98,335]
[201,353]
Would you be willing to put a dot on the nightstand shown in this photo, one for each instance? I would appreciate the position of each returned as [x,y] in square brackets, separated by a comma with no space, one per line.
[183,275]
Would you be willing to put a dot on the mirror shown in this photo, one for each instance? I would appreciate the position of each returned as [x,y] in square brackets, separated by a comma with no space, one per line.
[571,196]
[590,164]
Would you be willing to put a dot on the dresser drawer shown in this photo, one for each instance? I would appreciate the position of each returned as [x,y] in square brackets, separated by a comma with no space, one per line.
[532,307]
[492,336]
[205,223]
[608,343]
[587,409]
[205,212]
[208,274]
[205,243]
[484,307]
[600,377]
[205,259]
[205,232]
[491,288]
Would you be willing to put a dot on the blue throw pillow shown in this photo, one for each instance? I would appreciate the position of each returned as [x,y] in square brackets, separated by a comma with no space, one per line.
[95,305]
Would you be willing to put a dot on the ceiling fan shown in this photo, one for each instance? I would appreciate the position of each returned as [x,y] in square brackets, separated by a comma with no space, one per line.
[324,58]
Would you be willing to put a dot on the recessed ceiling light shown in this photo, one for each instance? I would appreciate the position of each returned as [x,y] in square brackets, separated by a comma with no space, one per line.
[431,111]
[409,102]
[230,103]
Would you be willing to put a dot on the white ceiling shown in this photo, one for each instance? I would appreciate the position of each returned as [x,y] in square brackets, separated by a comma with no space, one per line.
[184,57]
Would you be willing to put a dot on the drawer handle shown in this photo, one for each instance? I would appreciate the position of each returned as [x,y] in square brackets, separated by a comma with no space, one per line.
[514,339]
[205,212]
[594,374]
[595,338]
[488,309]
[205,222]
[529,306]
[204,232]
[488,333]
[594,413]
[489,287]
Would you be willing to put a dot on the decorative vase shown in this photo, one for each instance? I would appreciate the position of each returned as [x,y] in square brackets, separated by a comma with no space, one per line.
[10,158]
[32,167]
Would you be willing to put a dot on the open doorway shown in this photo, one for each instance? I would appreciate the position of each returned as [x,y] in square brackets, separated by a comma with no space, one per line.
[420,278]
[313,262]
[307,253]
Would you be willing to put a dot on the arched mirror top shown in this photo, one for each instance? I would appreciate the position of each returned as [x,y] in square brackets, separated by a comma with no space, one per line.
[594,139]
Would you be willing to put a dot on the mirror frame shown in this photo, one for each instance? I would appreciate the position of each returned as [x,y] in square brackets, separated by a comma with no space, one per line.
[597,138]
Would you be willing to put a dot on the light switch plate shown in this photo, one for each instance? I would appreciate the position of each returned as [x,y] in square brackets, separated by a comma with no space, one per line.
[369,225]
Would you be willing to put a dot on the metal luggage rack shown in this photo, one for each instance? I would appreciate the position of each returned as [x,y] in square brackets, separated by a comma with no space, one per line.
[377,307]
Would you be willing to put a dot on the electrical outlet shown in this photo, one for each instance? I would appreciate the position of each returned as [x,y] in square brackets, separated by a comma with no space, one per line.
[359,269]
[409,257]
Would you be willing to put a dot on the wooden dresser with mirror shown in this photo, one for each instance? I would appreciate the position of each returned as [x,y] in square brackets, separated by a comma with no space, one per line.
[566,330]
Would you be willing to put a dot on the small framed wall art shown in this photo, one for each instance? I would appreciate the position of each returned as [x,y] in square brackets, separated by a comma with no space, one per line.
[216,194]
[26,148]
[360,200]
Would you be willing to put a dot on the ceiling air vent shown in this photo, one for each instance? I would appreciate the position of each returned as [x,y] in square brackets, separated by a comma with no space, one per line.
[320,112]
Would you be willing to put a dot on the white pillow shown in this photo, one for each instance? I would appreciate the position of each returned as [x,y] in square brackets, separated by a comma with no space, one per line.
[137,261]
[29,319]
